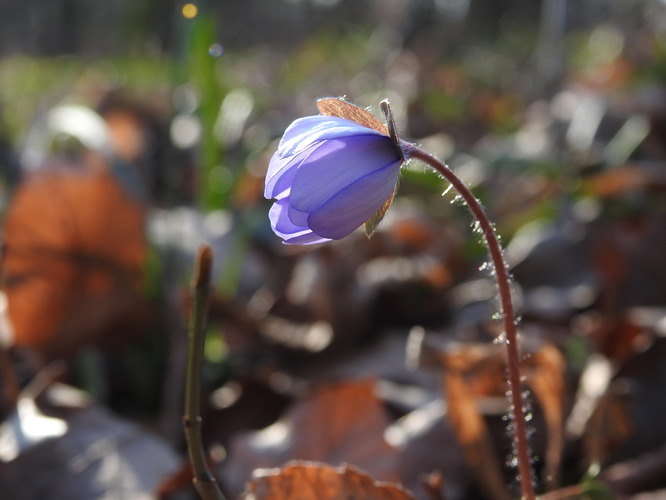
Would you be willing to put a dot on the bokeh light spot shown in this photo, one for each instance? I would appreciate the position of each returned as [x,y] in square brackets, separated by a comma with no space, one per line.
[216,50]
[190,11]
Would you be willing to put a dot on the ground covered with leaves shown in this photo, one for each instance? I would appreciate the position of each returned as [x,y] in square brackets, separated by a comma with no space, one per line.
[363,368]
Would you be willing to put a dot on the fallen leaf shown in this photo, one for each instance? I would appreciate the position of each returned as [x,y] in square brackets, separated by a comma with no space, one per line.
[74,251]
[472,433]
[337,423]
[313,481]
[475,373]
[333,106]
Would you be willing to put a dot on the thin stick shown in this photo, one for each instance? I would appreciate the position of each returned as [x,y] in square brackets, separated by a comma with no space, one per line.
[508,315]
[203,480]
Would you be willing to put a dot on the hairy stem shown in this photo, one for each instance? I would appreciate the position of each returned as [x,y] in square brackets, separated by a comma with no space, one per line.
[508,314]
[203,480]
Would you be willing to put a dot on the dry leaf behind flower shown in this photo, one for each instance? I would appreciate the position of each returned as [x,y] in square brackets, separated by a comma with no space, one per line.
[333,106]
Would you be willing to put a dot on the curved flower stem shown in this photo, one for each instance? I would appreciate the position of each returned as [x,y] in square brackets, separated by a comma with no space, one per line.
[203,480]
[508,315]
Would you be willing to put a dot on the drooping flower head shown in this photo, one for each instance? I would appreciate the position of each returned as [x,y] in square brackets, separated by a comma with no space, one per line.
[331,174]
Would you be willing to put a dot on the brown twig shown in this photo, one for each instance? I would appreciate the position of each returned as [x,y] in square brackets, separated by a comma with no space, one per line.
[203,480]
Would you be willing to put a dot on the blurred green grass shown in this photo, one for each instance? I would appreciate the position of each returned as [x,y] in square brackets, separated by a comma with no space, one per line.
[31,85]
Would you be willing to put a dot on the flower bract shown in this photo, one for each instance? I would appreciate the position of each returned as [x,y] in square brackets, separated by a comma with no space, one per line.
[328,177]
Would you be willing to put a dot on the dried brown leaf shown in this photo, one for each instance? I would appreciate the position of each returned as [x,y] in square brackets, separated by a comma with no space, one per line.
[333,106]
[314,481]
[74,251]
[338,423]
[545,371]
[373,222]
[472,433]
[475,371]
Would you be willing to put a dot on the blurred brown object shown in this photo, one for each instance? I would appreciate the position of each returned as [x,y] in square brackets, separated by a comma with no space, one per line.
[336,423]
[311,480]
[74,248]
[474,388]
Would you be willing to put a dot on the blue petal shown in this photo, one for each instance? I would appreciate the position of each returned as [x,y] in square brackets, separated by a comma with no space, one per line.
[280,221]
[306,239]
[336,164]
[297,217]
[281,172]
[355,204]
[287,230]
[304,132]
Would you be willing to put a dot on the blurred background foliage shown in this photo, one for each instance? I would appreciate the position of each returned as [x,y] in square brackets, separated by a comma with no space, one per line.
[469,70]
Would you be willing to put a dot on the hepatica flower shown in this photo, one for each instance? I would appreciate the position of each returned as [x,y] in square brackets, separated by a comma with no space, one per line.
[331,174]
[339,170]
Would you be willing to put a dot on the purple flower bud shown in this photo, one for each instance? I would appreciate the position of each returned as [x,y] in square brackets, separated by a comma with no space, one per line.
[329,176]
